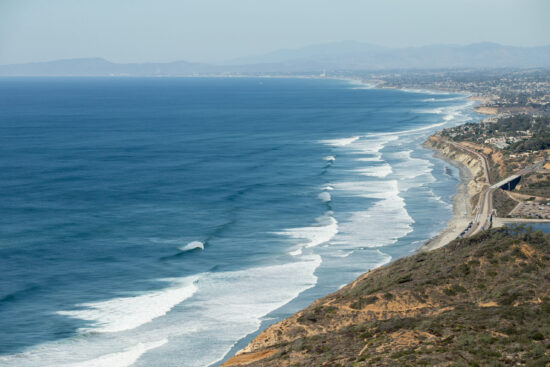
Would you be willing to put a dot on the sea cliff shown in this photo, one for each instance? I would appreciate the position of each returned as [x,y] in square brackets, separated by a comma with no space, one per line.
[475,302]
[472,181]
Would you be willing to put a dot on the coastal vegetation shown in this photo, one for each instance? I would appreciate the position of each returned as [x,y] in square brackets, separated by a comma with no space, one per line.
[503,203]
[522,133]
[498,90]
[482,299]
[479,301]
[512,144]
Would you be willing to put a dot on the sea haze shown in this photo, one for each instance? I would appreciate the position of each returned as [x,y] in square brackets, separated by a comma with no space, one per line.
[164,221]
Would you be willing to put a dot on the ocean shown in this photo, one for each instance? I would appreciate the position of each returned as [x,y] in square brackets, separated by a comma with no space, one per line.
[166,221]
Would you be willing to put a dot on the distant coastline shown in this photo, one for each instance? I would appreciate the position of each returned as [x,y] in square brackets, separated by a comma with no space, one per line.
[474,178]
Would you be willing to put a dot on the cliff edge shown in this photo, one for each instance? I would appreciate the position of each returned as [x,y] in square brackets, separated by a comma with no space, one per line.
[478,301]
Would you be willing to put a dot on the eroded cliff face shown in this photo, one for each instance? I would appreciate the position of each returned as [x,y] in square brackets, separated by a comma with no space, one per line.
[470,161]
[471,301]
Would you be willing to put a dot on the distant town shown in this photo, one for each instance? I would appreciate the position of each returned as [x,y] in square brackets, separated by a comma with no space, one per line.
[513,141]
[500,90]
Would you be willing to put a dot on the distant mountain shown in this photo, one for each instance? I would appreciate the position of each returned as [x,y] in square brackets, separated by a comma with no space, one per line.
[321,51]
[101,67]
[360,56]
[339,56]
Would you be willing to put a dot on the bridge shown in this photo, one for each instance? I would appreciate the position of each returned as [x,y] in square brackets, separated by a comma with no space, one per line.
[509,183]
[484,210]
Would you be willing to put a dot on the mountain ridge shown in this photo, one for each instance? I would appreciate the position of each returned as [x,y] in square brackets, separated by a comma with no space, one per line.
[332,57]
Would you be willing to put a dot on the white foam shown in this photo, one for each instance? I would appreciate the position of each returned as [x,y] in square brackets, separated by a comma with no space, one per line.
[370,159]
[327,188]
[373,143]
[358,84]
[438,198]
[126,313]
[192,245]
[437,110]
[375,171]
[340,142]
[330,158]
[324,196]
[410,171]
[120,359]
[386,259]
[450,113]
[421,129]
[230,305]
[314,235]
[297,252]
[225,308]
[399,134]
[423,91]
[341,253]
[384,222]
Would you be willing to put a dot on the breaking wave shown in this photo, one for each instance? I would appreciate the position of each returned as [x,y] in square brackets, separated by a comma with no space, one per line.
[126,313]
[192,246]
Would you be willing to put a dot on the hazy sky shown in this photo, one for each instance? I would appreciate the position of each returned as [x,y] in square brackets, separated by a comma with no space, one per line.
[214,30]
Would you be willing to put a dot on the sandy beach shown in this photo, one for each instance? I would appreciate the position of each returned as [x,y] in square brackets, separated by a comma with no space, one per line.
[461,208]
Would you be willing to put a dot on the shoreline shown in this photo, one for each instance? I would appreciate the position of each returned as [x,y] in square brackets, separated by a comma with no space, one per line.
[461,206]
[455,225]
[466,189]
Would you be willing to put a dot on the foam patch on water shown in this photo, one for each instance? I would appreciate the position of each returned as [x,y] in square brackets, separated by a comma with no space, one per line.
[329,158]
[375,171]
[437,110]
[358,84]
[385,259]
[423,91]
[342,253]
[297,252]
[323,232]
[450,113]
[442,99]
[340,142]
[411,171]
[226,307]
[230,305]
[120,359]
[192,246]
[384,222]
[372,144]
[324,197]
[378,158]
[438,198]
[126,313]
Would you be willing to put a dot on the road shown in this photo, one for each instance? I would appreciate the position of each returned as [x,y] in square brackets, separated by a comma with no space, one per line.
[484,209]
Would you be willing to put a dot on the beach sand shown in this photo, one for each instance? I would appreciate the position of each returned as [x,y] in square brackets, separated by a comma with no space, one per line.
[461,209]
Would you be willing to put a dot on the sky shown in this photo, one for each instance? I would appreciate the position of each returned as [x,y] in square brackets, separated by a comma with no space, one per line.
[219,30]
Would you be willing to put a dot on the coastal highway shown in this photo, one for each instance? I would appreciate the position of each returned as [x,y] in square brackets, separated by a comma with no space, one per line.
[485,206]
[484,210]
[483,218]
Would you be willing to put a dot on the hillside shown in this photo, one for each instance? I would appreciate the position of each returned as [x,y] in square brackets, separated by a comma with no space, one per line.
[482,301]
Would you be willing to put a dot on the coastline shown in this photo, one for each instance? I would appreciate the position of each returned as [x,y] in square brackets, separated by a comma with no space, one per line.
[461,216]
[461,206]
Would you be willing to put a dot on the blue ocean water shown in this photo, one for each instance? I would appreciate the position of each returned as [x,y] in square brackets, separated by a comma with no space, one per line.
[165,221]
